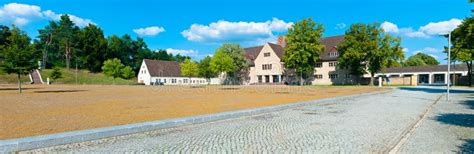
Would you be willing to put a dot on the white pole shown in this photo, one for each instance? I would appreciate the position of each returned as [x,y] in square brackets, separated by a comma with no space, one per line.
[449,64]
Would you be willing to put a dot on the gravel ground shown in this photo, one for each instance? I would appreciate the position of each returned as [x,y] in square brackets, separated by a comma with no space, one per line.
[365,124]
[448,128]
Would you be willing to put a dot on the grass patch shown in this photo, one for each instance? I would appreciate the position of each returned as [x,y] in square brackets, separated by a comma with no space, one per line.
[85,77]
[12,78]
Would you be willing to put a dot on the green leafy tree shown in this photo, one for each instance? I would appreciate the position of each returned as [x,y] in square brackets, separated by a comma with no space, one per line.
[113,68]
[67,37]
[128,73]
[235,71]
[222,62]
[189,68]
[463,44]
[93,48]
[421,59]
[303,48]
[49,45]
[18,55]
[55,74]
[205,69]
[367,49]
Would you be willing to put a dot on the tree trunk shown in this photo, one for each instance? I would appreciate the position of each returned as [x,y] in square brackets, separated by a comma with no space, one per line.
[301,78]
[372,79]
[469,72]
[19,83]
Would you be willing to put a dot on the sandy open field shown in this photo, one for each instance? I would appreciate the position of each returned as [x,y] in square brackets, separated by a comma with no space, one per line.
[43,109]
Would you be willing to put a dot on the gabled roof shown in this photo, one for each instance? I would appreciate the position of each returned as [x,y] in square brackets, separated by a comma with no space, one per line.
[330,44]
[163,68]
[433,68]
[278,49]
[252,52]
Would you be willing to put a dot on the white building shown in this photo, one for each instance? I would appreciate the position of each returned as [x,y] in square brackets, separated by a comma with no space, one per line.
[159,72]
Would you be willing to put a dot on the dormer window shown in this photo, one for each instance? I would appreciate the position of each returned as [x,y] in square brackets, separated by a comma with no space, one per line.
[266,54]
[333,54]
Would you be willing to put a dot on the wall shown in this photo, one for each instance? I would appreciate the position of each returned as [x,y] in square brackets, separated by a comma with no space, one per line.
[144,75]
[325,70]
[180,81]
[405,80]
[277,65]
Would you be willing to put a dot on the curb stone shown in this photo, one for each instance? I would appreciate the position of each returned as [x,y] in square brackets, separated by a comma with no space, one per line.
[43,141]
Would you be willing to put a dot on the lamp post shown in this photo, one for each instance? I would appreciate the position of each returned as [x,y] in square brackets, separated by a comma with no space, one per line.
[449,66]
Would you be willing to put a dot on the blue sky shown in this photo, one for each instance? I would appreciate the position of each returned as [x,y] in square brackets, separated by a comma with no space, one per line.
[197,28]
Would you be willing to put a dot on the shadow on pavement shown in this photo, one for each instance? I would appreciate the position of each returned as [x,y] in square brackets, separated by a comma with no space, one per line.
[467,147]
[435,90]
[60,91]
[469,104]
[463,120]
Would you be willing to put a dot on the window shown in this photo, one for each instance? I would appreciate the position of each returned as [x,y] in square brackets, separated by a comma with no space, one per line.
[266,54]
[332,64]
[266,66]
[333,54]
[185,81]
[173,80]
[276,78]
[259,79]
[318,76]
[348,76]
[319,65]
[164,80]
[332,76]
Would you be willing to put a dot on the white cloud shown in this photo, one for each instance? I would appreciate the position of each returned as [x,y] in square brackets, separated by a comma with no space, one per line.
[22,14]
[389,27]
[149,31]
[340,26]
[77,20]
[182,52]
[440,28]
[428,50]
[406,50]
[426,31]
[434,56]
[222,31]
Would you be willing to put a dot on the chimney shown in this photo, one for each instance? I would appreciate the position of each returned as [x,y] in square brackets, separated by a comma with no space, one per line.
[281,41]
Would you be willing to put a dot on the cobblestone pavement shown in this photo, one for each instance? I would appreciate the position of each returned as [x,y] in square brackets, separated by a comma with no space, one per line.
[448,128]
[373,123]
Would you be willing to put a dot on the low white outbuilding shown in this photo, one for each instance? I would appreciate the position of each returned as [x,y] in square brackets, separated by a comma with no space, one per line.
[159,72]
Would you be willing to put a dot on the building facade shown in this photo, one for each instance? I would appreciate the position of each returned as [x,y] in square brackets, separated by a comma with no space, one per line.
[159,72]
[267,65]
[426,75]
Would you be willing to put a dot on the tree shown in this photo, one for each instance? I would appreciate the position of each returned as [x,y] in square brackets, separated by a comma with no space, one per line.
[366,48]
[222,63]
[67,37]
[49,45]
[303,48]
[205,69]
[463,44]
[18,55]
[421,59]
[113,68]
[93,48]
[236,67]
[55,74]
[189,68]
[128,72]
